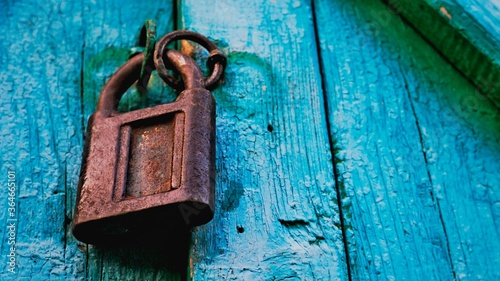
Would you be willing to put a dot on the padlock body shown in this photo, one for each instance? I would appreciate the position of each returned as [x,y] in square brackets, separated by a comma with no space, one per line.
[147,170]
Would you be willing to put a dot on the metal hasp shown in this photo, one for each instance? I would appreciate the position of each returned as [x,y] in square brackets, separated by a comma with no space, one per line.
[151,170]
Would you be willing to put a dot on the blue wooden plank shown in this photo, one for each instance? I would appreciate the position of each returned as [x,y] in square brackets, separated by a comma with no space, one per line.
[277,214]
[392,221]
[418,148]
[40,123]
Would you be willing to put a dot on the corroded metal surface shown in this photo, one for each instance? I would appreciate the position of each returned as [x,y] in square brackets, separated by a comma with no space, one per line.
[150,170]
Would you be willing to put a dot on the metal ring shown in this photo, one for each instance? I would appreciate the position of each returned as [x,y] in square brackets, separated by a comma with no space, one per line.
[216,62]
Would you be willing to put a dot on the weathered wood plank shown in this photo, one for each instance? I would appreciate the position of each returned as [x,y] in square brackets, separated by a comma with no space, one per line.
[277,214]
[393,225]
[40,62]
[111,30]
[466,32]
[418,149]
[462,147]
[461,140]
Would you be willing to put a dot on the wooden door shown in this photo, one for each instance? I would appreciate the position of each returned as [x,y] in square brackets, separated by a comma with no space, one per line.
[347,147]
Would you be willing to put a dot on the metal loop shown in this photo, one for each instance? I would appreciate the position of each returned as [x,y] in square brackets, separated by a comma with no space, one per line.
[118,84]
[216,62]
[128,73]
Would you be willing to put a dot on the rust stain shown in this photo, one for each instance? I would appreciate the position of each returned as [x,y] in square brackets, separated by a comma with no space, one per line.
[191,266]
[141,154]
[445,12]
[186,47]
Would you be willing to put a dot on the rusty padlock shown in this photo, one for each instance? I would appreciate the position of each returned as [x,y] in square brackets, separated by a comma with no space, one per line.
[150,169]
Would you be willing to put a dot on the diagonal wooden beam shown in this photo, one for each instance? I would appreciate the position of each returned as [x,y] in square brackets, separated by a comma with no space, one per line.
[465,32]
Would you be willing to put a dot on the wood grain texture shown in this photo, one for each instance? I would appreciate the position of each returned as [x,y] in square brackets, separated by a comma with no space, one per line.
[417,148]
[393,222]
[277,214]
[466,32]
[40,136]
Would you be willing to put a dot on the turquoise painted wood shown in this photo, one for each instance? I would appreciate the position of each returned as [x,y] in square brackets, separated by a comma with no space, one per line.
[278,214]
[418,151]
[347,147]
[390,211]
[41,140]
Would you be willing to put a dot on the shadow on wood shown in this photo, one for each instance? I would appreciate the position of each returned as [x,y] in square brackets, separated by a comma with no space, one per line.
[164,253]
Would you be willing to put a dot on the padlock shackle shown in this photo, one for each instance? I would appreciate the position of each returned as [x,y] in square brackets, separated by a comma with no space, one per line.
[129,73]
[118,84]
[188,69]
